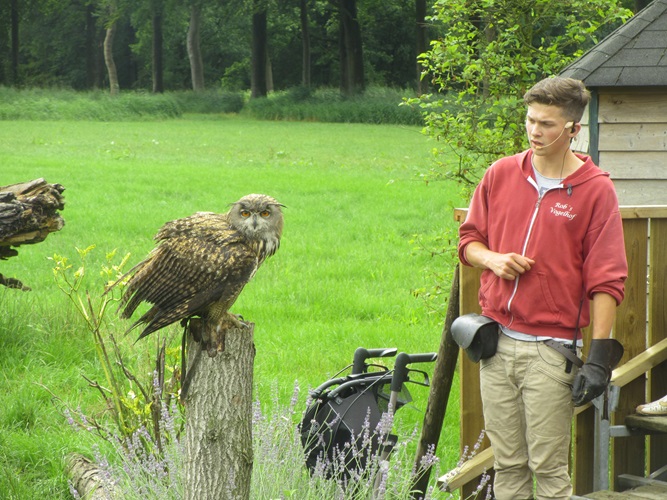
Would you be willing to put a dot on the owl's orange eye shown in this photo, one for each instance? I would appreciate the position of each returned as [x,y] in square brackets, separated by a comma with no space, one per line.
[245,213]
[265,213]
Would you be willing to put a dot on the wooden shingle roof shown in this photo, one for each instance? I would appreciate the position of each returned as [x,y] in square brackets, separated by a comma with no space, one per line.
[633,55]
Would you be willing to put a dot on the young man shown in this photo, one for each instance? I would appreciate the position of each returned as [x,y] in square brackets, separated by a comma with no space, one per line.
[545,227]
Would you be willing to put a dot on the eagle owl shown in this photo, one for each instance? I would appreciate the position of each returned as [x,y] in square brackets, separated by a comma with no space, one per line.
[202,262]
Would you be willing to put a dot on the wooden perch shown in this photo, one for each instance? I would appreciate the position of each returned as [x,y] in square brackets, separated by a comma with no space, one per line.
[28,213]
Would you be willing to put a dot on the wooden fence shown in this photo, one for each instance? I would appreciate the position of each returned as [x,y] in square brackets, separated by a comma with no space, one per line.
[641,322]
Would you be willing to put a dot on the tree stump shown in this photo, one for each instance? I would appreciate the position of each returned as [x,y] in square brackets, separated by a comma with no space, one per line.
[218,431]
[28,214]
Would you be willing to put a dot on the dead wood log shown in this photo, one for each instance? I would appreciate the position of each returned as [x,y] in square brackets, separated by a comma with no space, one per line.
[28,214]
[87,478]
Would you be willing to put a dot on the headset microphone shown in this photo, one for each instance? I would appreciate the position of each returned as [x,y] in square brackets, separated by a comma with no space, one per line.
[567,125]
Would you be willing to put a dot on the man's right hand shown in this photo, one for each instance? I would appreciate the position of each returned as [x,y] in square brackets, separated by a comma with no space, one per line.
[508,265]
[504,265]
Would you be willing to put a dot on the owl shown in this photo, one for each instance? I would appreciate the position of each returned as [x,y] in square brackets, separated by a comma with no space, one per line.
[201,264]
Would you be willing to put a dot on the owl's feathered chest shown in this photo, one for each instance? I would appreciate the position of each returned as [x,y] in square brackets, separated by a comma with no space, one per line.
[199,267]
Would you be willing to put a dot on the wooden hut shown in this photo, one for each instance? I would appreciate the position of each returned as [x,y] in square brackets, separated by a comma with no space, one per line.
[625,129]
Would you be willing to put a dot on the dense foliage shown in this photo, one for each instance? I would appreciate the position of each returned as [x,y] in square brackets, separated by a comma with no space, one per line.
[492,52]
[59,43]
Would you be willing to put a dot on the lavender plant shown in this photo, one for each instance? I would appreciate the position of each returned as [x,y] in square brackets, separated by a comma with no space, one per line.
[279,470]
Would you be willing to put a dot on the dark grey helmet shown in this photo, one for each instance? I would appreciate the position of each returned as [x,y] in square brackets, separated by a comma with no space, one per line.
[477,334]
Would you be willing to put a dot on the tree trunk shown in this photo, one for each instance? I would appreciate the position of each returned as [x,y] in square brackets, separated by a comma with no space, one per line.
[158,69]
[352,46]
[305,44]
[114,87]
[422,43]
[218,433]
[441,385]
[92,48]
[194,48]
[258,84]
[14,14]
[28,214]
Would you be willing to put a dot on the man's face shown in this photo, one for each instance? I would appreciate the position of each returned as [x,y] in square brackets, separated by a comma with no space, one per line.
[546,129]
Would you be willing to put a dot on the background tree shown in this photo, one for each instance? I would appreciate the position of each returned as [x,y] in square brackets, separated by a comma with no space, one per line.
[260,57]
[421,29]
[14,16]
[351,49]
[305,42]
[60,43]
[492,52]
[157,12]
[111,21]
[194,46]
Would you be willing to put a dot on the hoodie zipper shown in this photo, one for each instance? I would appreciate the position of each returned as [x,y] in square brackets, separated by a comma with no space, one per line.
[538,203]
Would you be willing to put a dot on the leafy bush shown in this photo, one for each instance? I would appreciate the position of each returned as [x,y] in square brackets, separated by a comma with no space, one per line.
[490,55]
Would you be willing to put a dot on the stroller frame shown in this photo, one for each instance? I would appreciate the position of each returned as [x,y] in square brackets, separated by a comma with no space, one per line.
[349,418]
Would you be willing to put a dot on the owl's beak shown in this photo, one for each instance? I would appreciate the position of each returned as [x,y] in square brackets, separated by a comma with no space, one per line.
[254,221]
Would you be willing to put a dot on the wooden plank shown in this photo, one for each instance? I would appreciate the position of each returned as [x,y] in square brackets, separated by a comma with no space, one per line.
[583,438]
[657,330]
[468,472]
[472,418]
[643,211]
[640,364]
[655,423]
[630,330]
[460,214]
[633,137]
[638,192]
[632,106]
[634,164]
[581,143]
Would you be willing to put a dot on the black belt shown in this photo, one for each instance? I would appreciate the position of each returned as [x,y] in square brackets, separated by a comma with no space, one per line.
[569,354]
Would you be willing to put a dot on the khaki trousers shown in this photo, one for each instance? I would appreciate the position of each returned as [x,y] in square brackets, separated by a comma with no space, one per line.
[527,402]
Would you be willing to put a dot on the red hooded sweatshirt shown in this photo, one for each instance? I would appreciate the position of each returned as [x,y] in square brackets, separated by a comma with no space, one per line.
[573,232]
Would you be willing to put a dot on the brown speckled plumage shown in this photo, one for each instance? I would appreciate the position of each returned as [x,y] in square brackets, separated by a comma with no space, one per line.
[202,262]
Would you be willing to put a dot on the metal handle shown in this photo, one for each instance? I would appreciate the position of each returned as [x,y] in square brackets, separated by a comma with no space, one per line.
[362,354]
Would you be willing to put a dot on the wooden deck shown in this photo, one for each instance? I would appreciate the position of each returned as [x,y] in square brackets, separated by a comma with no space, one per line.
[648,492]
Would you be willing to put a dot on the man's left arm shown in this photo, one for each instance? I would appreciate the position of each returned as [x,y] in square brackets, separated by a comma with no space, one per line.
[604,313]
[603,355]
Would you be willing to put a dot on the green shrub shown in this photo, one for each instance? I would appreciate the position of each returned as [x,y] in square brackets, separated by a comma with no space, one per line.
[379,105]
[54,104]
[210,101]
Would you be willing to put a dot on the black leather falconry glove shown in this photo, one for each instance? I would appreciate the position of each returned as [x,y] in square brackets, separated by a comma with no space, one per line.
[593,377]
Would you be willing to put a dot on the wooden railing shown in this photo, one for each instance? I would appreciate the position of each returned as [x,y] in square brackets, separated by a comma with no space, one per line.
[641,323]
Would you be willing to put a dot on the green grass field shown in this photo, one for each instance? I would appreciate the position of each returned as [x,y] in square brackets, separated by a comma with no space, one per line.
[344,277]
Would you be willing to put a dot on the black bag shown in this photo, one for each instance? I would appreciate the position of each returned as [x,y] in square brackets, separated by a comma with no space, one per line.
[477,335]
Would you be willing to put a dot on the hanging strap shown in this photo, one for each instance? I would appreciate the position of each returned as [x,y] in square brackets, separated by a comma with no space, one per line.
[569,351]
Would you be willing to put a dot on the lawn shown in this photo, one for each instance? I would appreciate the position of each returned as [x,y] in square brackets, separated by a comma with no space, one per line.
[346,274]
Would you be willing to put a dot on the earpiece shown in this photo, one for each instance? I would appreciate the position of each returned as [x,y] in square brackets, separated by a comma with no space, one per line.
[569,125]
